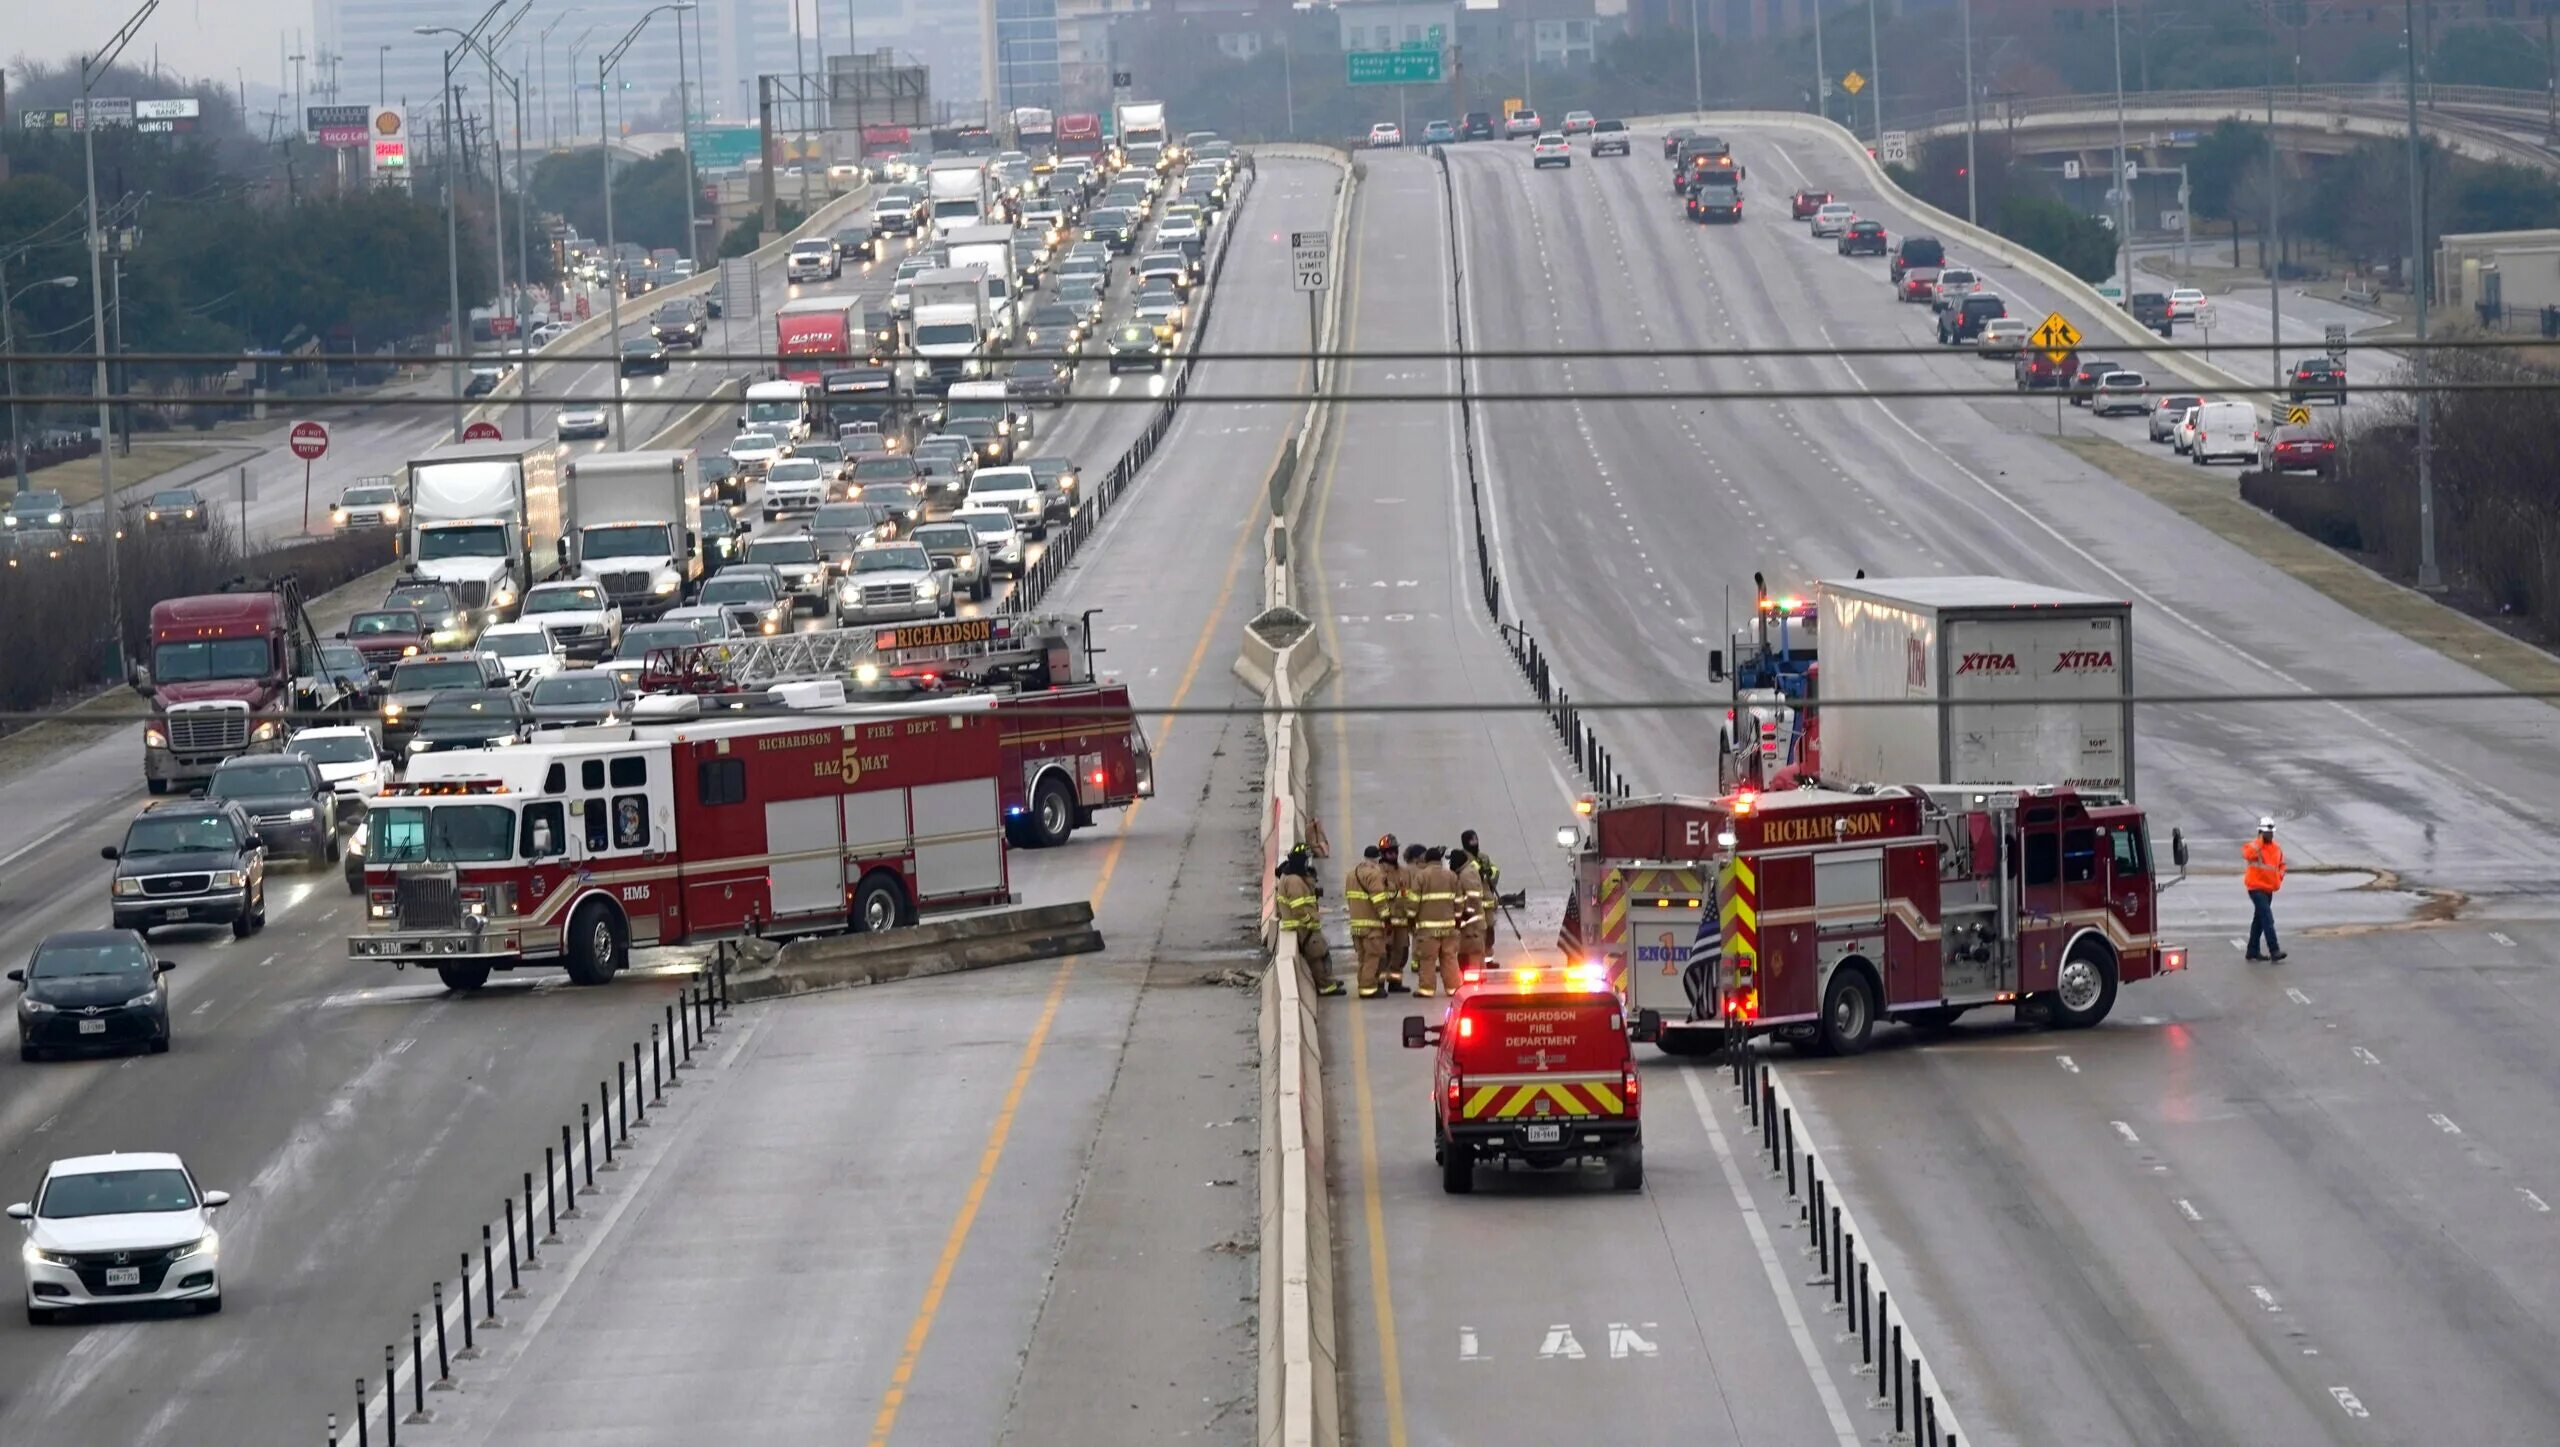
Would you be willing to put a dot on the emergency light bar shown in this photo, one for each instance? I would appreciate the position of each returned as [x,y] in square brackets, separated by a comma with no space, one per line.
[444,786]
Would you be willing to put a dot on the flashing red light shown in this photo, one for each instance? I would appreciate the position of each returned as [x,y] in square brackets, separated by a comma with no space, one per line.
[1466,1027]
[1629,1087]
[1456,1084]
[1097,778]
[1742,1005]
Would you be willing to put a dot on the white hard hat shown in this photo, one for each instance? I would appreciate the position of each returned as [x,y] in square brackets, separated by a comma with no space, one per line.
[2266,824]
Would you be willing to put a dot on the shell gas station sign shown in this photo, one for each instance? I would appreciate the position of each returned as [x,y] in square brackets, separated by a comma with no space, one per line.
[388,133]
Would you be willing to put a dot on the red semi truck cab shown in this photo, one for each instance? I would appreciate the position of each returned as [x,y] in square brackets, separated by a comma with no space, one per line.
[1079,135]
[225,671]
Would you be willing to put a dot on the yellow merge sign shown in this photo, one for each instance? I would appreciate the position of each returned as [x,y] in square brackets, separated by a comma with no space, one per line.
[2056,337]
[1853,82]
[2297,416]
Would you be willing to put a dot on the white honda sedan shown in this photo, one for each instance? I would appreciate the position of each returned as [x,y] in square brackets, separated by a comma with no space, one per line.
[115,1230]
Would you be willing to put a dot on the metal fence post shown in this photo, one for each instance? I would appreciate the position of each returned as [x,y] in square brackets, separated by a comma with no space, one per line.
[390,1396]
[444,1359]
[470,1350]
[489,1277]
[642,1114]
[515,1282]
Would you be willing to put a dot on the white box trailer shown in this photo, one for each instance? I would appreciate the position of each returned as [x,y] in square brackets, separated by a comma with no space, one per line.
[1976,644]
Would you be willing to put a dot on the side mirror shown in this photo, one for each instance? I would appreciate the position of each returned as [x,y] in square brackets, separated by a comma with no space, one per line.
[1715,664]
[562,548]
[162,967]
[18,975]
[257,840]
[340,635]
[216,1200]
[2178,846]
[21,1211]
[1416,1033]
[109,853]
[1648,1026]
[140,679]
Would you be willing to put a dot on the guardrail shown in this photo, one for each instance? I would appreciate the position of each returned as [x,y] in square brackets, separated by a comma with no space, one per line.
[2328,110]
[767,971]
[2523,104]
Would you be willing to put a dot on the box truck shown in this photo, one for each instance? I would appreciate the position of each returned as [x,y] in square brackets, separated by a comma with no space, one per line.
[634,528]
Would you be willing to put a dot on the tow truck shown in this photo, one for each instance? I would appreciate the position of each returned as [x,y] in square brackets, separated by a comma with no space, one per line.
[1072,745]
[1813,913]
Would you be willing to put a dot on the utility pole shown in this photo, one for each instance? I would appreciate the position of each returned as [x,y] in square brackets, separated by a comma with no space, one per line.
[1821,74]
[2124,172]
[2422,295]
[452,240]
[1875,69]
[1972,124]
[93,68]
[2275,219]
[1697,62]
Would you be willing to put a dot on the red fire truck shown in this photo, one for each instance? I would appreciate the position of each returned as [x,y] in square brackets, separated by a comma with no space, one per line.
[1813,913]
[697,828]
[1071,746]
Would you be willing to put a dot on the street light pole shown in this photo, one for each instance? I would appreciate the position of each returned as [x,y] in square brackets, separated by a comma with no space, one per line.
[684,123]
[574,47]
[1821,75]
[1697,63]
[9,345]
[382,75]
[452,241]
[1972,196]
[2124,176]
[542,80]
[2422,294]
[93,68]
[1875,70]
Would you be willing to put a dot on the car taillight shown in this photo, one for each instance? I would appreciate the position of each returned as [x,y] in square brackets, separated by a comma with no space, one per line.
[1628,1087]
[1457,1084]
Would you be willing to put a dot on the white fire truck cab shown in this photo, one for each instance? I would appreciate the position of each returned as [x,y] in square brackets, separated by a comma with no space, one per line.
[1813,913]
[706,826]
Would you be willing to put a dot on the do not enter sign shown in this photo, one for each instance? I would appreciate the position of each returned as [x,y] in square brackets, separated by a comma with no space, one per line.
[309,440]
[480,432]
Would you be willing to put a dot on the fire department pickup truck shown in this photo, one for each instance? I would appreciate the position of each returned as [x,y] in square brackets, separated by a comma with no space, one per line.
[1814,913]
[694,828]
[1534,1066]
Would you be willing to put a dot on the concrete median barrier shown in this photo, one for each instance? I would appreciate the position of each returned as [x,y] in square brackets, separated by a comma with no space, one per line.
[767,971]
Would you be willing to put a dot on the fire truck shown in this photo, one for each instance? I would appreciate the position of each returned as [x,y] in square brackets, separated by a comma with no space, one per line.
[1814,913]
[1071,745]
[694,826]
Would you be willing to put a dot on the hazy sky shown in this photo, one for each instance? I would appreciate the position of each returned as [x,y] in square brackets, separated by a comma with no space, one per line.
[197,38]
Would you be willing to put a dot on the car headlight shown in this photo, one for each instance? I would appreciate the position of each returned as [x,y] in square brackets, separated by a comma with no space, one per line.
[204,1245]
[153,738]
[128,888]
[504,597]
[230,878]
[666,584]
[37,1256]
[303,816]
[928,590]
[267,729]
[38,1007]
[54,518]
[147,997]
[337,515]
[391,710]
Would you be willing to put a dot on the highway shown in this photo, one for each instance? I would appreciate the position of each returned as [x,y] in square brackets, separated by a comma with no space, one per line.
[2294,1204]
[367,1122]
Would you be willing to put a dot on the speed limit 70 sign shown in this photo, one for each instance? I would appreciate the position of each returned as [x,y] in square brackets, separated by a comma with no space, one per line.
[1311,260]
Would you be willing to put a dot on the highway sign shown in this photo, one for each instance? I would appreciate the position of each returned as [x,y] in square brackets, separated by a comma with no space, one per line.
[309,440]
[1417,66]
[1895,147]
[2337,339]
[1311,260]
[481,432]
[738,289]
[2056,337]
[1853,82]
[2297,415]
[2071,170]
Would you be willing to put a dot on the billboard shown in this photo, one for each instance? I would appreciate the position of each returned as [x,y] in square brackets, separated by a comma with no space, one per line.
[338,126]
[389,130]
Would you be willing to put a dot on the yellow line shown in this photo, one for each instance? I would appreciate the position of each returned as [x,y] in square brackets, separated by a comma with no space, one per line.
[1382,1304]
[958,1238]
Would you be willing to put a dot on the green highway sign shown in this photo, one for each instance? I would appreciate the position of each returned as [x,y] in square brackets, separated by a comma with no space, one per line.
[1418,65]
[724,148]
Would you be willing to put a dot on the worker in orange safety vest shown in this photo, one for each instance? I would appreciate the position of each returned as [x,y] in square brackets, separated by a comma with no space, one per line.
[2262,876]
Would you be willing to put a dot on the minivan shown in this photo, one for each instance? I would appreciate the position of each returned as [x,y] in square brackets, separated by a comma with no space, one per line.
[1913,251]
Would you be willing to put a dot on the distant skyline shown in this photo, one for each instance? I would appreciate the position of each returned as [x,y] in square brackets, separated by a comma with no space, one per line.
[210,39]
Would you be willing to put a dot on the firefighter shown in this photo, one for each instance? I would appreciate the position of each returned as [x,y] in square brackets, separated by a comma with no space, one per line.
[1491,871]
[1414,857]
[1370,893]
[1295,900]
[1435,925]
[2262,876]
[1475,910]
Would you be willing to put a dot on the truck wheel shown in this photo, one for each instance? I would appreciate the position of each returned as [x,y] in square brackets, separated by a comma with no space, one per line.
[463,977]
[159,786]
[2085,990]
[1457,1168]
[1053,814]
[1682,1042]
[1626,1168]
[1848,1013]
[880,903]
[596,946]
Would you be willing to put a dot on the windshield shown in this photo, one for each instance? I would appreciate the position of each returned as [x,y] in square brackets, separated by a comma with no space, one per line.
[945,537]
[179,834]
[736,590]
[1054,316]
[794,471]
[92,960]
[637,642]
[441,673]
[782,550]
[973,409]
[972,427]
[754,442]
[947,334]
[891,560]
[515,645]
[563,600]
[374,624]
[335,748]
[36,501]
[172,499]
[461,540]
[576,688]
[626,540]
[262,781]
[441,834]
[770,411]
[419,600]
[210,659]
[116,1193]
[368,496]
[889,468]
[967,207]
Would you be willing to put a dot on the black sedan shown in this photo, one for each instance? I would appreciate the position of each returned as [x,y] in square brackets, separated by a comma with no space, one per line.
[473,719]
[1864,238]
[1136,345]
[96,989]
[1041,379]
[721,484]
[643,354]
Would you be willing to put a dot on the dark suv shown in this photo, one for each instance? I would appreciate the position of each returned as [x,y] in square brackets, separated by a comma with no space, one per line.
[1478,126]
[2318,377]
[1963,321]
[1913,251]
[292,806]
[190,861]
[2151,309]
[680,323]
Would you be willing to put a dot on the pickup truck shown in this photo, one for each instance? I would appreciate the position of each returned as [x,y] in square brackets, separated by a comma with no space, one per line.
[2151,309]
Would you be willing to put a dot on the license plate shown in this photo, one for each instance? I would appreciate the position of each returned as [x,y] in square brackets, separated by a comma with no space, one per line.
[1545,1135]
[93,1027]
[124,1276]
[179,913]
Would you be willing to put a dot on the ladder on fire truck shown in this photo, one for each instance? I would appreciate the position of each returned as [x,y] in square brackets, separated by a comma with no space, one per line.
[1037,650]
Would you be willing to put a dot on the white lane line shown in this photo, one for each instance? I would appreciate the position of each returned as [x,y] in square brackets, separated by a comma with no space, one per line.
[2349,1402]
[2534,1200]
[2126,1131]
[2502,939]
[1469,1349]
[2296,996]
[2367,1056]
[2067,1063]
[1779,1285]
[2444,1123]
[2265,1297]
[2188,1209]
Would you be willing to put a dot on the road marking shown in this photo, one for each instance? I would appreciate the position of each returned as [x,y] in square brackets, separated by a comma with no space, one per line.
[2445,1123]
[2126,1131]
[2367,1056]
[2539,1205]
[1560,1344]
[2349,1402]
[1469,1349]
[2188,1209]
[200,1009]
[2296,996]
[1626,1340]
[2502,939]
[2265,1297]
[2067,1063]
[1845,1431]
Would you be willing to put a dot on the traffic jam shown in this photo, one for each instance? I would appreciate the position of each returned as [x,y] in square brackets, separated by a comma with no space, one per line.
[768,684]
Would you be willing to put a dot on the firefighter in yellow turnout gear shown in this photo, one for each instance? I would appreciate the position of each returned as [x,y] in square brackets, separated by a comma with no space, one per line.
[1295,901]
[1371,892]
[1475,910]
[1433,891]
[1397,915]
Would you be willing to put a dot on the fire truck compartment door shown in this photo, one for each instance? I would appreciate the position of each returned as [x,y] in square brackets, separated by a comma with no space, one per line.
[959,838]
[1669,962]
[806,873]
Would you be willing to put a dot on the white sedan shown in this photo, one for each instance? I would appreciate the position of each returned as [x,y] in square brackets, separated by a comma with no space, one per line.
[1385,135]
[2186,302]
[1832,218]
[583,419]
[527,648]
[118,1230]
[349,757]
[756,452]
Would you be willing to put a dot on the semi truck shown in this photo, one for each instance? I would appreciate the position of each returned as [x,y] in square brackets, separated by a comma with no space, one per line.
[1080,134]
[954,326]
[959,192]
[1974,643]
[634,528]
[1138,122]
[1034,130]
[816,334]
[226,671]
[485,517]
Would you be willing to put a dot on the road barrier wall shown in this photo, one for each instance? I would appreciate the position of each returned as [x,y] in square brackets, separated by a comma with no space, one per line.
[937,947]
